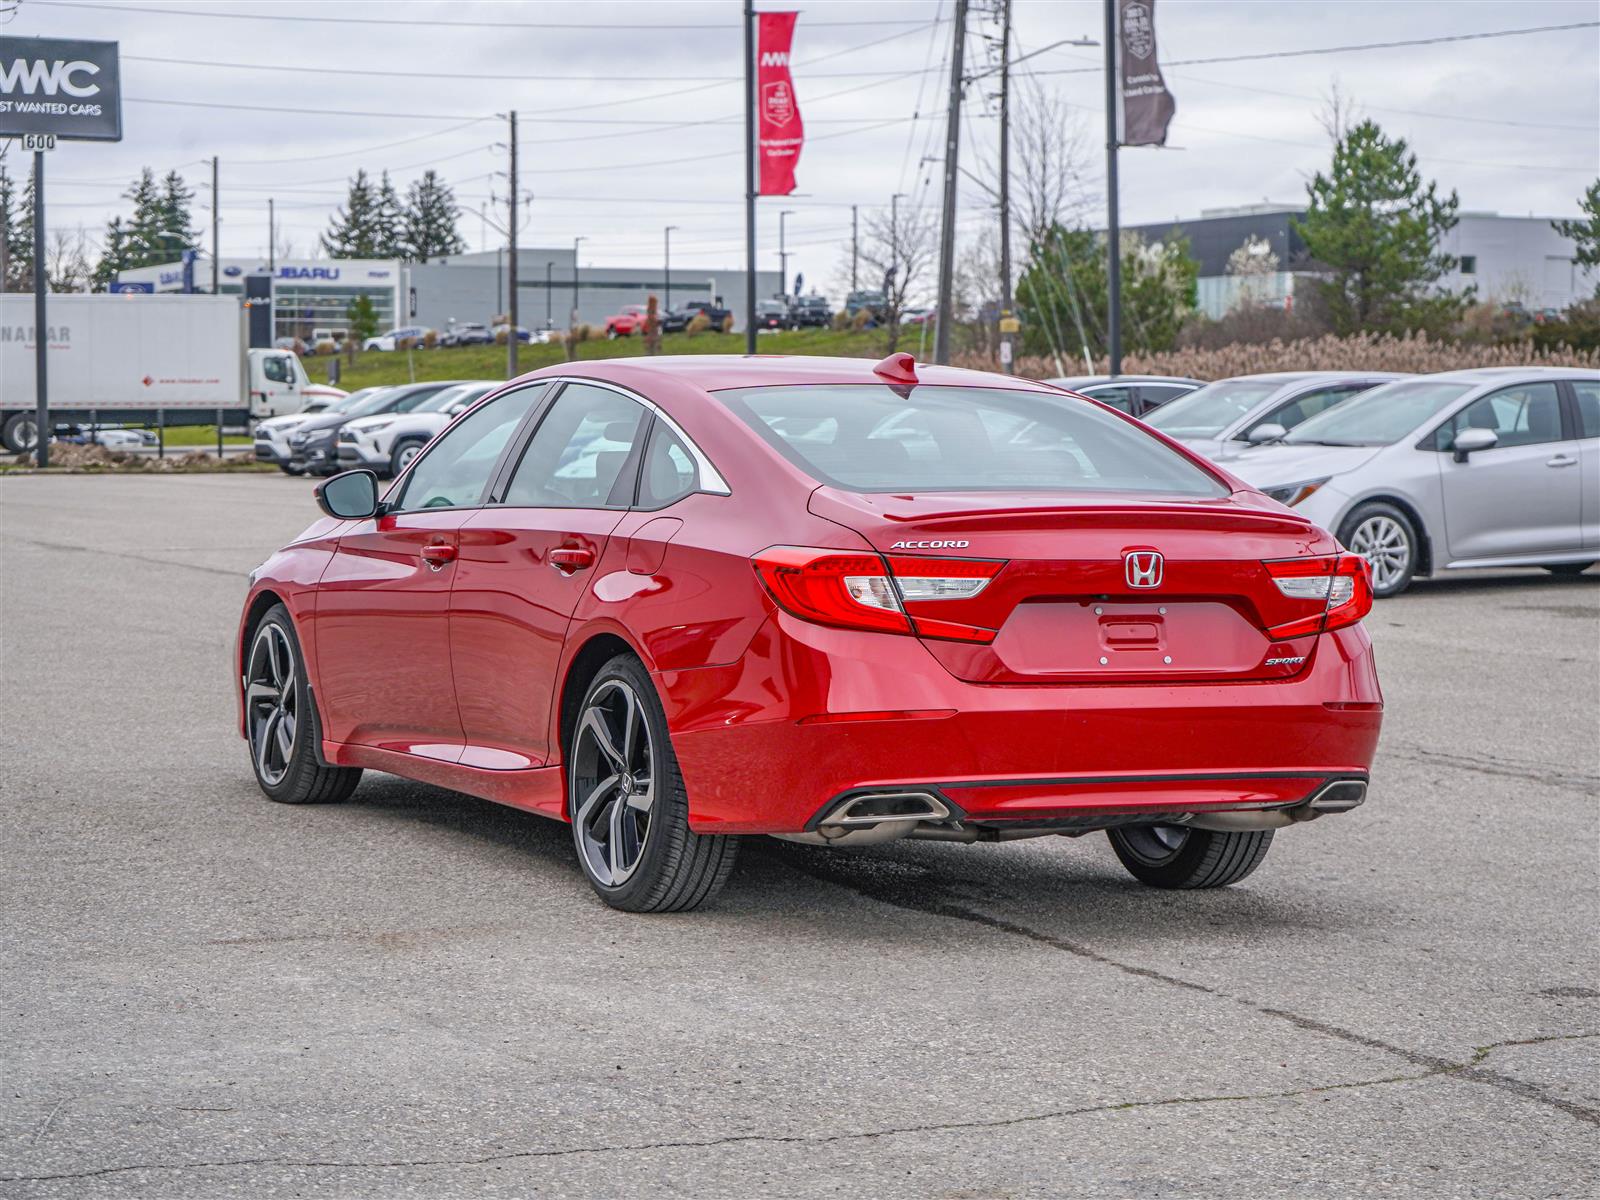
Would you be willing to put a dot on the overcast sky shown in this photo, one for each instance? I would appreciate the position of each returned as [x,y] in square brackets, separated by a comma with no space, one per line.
[1511,123]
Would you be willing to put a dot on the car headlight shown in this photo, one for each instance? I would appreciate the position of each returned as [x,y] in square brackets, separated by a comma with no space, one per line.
[1293,493]
[298,439]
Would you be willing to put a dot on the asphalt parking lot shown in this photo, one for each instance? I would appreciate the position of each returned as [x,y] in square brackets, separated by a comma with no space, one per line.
[415,993]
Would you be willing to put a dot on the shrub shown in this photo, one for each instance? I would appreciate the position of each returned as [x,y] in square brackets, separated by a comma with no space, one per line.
[727,323]
[698,323]
[431,339]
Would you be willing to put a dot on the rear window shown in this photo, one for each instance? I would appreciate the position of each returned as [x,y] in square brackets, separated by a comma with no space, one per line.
[869,438]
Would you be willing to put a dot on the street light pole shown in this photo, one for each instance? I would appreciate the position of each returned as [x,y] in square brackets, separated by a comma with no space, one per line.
[855,247]
[272,237]
[216,229]
[549,323]
[783,255]
[511,259]
[1006,349]
[749,177]
[667,233]
[575,242]
[1113,233]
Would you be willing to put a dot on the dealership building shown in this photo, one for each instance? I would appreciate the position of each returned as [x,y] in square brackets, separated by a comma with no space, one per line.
[1508,259]
[312,294]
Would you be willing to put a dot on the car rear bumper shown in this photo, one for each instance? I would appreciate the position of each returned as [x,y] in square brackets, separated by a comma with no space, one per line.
[811,715]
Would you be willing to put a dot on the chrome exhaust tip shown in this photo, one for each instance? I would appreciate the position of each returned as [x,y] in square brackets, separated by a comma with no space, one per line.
[1339,796]
[877,808]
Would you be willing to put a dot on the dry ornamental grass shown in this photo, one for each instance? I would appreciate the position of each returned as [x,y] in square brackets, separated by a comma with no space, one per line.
[1413,353]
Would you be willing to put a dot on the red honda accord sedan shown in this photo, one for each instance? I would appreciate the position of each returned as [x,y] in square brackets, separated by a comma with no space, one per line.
[677,600]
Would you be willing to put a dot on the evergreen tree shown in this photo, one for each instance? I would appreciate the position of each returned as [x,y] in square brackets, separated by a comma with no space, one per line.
[173,211]
[1585,232]
[362,314]
[16,209]
[114,258]
[1377,228]
[391,221]
[355,231]
[430,220]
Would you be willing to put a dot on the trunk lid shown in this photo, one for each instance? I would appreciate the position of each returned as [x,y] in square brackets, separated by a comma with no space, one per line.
[1067,607]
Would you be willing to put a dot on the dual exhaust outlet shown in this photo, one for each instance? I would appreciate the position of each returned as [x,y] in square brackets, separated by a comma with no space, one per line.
[876,817]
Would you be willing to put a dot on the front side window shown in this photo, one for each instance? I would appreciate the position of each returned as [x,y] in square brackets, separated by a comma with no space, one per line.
[455,470]
[1206,412]
[870,438]
[1519,416]
[577,457]
[276,367]
[1302,408]
[1379,417]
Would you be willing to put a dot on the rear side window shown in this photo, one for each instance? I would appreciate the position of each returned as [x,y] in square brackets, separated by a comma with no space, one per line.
[1588,409]
[669,471]
[869,438]
[577,459]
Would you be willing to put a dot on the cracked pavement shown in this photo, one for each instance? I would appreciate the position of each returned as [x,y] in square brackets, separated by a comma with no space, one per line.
[414,993]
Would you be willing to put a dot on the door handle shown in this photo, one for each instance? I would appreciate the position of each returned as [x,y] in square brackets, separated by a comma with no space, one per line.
[437,554]
[1561,460]
[571,558]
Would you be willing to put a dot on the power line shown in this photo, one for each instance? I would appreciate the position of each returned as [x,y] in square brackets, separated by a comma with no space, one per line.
[1428,41]
[609,27]
[310,112]
[1406,112]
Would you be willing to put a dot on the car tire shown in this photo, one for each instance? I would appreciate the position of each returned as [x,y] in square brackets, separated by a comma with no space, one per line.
[1568,568]
[20,432]
[627,803]
[1171,856]
[1386,537]
[404,451]
[288,470]
[611,333]
[277,694]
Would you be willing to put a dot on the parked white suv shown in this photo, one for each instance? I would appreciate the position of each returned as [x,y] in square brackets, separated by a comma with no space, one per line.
[386,443]
[397,338]
[272,435]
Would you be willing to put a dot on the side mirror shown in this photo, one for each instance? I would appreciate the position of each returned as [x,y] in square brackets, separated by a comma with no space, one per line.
[1267,431]
[1469,440]
[351,496]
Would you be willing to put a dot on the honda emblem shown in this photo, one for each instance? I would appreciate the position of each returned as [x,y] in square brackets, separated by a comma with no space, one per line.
[1142,568]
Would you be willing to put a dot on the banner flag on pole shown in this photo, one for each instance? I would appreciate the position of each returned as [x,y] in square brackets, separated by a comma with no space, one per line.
[1145,106]
[780,132]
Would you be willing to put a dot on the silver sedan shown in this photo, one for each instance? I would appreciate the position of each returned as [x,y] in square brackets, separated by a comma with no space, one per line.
[1488,468]
[1226,416]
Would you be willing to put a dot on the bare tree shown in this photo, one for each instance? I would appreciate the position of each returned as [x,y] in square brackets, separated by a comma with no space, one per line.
[901,245]
[1053,163]
[1338,113]
[67,265]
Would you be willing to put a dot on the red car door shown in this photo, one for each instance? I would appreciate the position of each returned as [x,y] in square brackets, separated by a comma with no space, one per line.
[382,618]
[526,561]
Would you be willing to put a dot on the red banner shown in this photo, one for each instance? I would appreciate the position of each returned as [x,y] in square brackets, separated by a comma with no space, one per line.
[779,130]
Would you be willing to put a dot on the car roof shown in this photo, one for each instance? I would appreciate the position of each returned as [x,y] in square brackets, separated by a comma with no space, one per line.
[719,372]
[1072,381]
[1500,374]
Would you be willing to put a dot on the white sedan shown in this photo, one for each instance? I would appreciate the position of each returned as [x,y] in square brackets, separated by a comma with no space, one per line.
[386,443]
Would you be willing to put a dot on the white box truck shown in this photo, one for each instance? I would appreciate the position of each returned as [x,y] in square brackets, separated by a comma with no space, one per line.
[139,359]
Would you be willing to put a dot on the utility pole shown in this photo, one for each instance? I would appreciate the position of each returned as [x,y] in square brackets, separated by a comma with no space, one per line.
[1113,233]
[549,323]
[749,177]
[667,233]
[216,230]
[272,238]
[855,247]
[947,233]
[511,260]
[1006,318]
[783,255]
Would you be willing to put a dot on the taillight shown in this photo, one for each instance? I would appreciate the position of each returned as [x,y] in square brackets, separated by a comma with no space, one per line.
[861,591]
[1340,586]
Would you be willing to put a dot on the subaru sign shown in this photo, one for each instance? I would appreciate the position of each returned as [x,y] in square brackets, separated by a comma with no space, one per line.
[60,86]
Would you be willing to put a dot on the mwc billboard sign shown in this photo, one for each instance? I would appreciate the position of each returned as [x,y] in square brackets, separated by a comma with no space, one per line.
[60,86]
